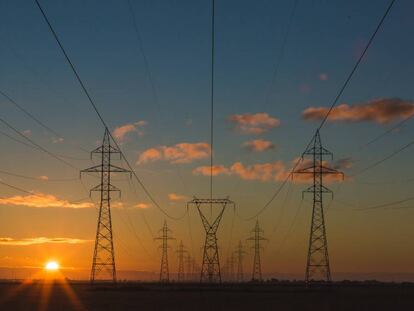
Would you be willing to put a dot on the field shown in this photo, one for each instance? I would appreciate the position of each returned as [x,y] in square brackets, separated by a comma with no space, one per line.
[146,296]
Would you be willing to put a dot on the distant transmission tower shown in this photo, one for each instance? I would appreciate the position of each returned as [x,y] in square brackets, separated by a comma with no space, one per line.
[181,251]
[210,269]
[165,236]
[188,265]
[240,256]
[257,238]
[317,265]
[229,268]
[103,263]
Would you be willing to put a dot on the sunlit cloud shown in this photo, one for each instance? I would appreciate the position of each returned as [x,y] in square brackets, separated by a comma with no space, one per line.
[122,131]
[41,200]
[277,171]
[179,153]
[142,205]
[43,177]
[262,171]
[40,240]
[206,170]
[174,197]
[259,145]
[258,123]
[380,111]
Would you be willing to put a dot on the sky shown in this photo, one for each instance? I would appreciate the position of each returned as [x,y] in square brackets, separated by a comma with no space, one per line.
[278,66]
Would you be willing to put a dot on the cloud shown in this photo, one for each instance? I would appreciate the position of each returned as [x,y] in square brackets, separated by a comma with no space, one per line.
[380,111]
[121,132]
[276,171]
[174,197]
[142,205]
[258,145]
[206,170]
[323,76]
[258,123]
[179,153]
[40,200]
[40,240]
[344,163]
[43,177]
[261,171]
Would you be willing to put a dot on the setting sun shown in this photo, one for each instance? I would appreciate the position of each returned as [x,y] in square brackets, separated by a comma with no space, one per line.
[52,266]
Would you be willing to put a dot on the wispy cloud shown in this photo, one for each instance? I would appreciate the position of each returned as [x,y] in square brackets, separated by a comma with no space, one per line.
[40,240]
[323,76]
[380,111]
[174,197]
[258,123]
[179,153]
[206,170]
[142,205]
[41,200]
[121,132]
[259,145]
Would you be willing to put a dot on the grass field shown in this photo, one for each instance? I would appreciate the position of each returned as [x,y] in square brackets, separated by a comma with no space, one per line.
[146,296]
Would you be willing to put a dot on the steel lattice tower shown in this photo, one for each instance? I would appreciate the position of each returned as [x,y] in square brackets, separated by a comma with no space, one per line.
[188,264]
[103,263]
[165,236]
[231,268]
[240,256]
[210,269]
[181,251]
[257,238]
[317,265]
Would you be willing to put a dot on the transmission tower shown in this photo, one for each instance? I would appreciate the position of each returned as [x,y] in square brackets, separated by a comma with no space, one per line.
[257,238]
[210,269]
[164,237]
[317,266]
[240,256]
[188,265]
[103,263]
[181,251]
[231,267]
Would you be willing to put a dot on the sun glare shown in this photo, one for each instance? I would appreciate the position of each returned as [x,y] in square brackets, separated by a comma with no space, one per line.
[52,266]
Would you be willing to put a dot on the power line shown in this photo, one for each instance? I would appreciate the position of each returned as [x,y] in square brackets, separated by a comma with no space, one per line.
[371,39]
[385,204]
[212,97]
[37,178]
[335,101]
[281,51]
[30,115]
[36,144]
[95,108]
[393,154]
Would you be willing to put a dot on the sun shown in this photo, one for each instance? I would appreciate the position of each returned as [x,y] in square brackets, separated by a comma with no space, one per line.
[52,266]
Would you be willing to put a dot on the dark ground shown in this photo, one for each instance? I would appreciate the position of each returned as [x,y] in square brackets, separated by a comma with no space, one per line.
[141,296]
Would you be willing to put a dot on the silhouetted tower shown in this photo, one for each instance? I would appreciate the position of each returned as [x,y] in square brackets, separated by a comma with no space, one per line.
[194,269]
[103,263]
[230,267]
[257,238]
[181,251]
[210,269]
[165,236]
[317,266]
[240,256]
[188,266]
